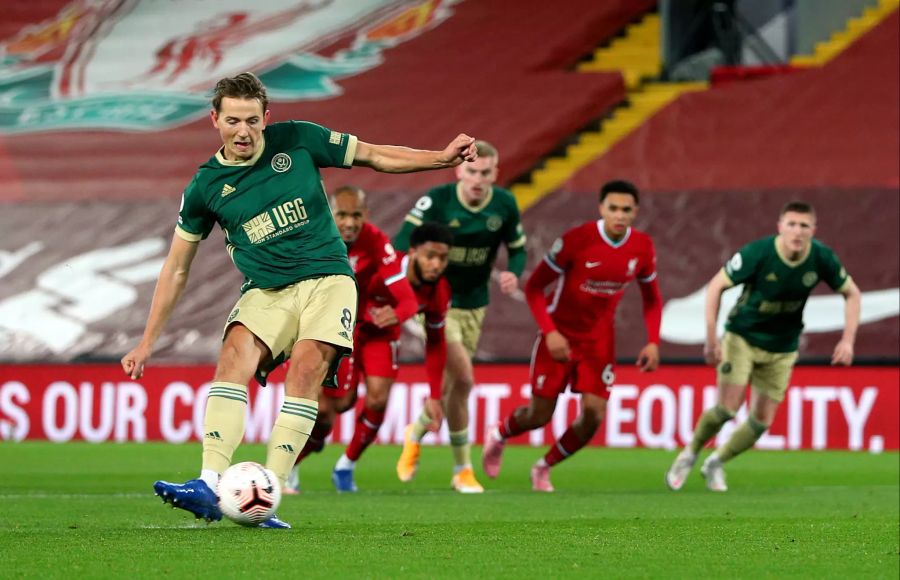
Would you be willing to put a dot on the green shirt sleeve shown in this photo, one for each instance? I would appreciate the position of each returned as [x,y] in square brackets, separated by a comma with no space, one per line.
[424,210]
[514,238]
[831,270]
[743,263]
[516,261]
[195,221]
[328,148]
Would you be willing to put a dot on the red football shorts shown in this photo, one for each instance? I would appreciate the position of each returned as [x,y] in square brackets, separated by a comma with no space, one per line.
[373,357]
[590,370]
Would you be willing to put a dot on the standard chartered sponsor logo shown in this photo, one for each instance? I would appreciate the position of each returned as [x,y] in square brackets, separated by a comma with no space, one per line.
[276,222]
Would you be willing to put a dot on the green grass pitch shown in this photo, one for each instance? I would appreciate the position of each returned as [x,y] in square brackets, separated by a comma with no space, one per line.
[80,510]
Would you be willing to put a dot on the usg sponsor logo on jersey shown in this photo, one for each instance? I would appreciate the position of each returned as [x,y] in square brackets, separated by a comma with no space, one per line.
[70,71]
[275,222]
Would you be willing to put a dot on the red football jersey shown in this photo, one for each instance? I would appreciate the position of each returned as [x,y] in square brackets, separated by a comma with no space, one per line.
[375,264]
[594,271]
[433,299]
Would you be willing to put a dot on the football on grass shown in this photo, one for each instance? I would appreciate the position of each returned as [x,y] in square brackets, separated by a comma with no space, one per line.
[248,493]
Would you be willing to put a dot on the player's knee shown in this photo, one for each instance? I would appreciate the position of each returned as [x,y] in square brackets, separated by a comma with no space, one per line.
[235,357]
[462,386]
[593,414]
[377,401]
[305,377]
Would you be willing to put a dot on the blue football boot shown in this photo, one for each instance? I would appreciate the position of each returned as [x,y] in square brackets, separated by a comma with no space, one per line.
[343,480]
[275,523]
[194,496]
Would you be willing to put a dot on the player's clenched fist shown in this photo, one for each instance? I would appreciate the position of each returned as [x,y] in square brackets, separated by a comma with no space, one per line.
[133,362]
[460,149]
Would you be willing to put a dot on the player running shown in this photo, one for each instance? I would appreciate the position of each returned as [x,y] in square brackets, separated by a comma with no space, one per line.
[263,187]
[762,335]
[591,265]
[481,217]
[386,299]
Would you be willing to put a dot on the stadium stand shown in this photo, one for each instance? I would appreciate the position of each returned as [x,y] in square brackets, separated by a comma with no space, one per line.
[733,151]
[717,165]
[518,91]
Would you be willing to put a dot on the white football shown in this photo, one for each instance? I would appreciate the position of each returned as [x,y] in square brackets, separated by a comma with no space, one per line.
[249,493]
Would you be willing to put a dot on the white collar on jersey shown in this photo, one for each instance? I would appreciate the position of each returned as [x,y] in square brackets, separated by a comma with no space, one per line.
[404,264]
[220,157]
[607,238]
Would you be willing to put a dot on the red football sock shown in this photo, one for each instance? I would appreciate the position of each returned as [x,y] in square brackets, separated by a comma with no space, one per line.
[366,429]
[316,441]
[509,427]
[568,444]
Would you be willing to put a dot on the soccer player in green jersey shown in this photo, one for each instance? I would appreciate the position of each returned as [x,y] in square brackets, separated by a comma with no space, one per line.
[482,217]
[762,335]
[263,187]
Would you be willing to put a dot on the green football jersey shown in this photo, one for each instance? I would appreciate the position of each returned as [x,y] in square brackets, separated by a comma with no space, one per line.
[769,313]
[273,208]
[478,232]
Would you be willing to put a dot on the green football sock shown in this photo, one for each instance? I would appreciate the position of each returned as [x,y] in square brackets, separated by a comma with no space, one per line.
[708,426]
[223,424]
[743,438]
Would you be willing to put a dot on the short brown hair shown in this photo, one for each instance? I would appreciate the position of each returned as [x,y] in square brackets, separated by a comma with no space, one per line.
[798,207]
[243,86]
[485,149]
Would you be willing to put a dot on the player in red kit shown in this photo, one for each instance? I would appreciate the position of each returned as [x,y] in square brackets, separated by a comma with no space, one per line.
[591,265]
[423,268]
[429,254]
[386,299]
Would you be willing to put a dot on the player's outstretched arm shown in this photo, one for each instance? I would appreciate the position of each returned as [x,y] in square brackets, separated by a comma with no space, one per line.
[396,159]
[843,351]
[712,350]
[172,280]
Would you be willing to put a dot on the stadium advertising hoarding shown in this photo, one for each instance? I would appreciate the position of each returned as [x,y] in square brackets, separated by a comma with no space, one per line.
[825,408]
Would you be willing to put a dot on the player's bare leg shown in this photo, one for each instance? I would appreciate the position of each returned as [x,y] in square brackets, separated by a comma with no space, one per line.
[762,413]
[579,433]
[458,382]
[730,398]
[223,426]
[378,390]
[534,415]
